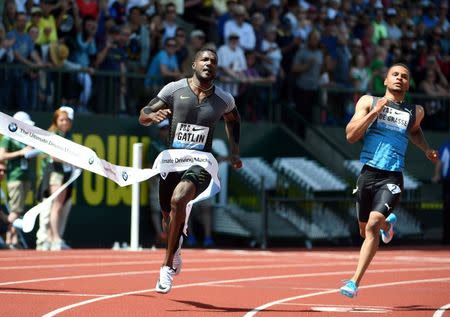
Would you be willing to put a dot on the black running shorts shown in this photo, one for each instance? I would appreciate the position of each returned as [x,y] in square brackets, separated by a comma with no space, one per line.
[377,190]
[195,174]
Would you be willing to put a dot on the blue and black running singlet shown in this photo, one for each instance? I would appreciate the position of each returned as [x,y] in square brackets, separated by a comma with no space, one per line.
[386,139]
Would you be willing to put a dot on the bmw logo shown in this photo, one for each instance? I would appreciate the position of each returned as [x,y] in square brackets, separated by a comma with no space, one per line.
[91,160]
[124,176]
[12,127]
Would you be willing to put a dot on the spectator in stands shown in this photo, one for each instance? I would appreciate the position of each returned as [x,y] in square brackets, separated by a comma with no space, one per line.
[232,65]
[304,24]
[138,52]
[163,67]
[17,178]
[271,53]
[84,51]
[157,31]
[6,57]
[48,24]
[224,17]
[386,124]
[169,22]
[118,11]
[255,94]
[359,73]
[87,8]
[111,57]
[58,53]
[393,31]
[380,31]
[25,55]
[238,25]
[36,14]
[32,75]
[289,44]
[55,174]
[9,15]
[436,87]
[306,67]
[197,40]
[443,16]
[201,15]
[442,175]
[182,49]
[258,22]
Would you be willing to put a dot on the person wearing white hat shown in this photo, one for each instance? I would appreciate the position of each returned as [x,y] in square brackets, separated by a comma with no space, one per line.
[52,222]
[18,177]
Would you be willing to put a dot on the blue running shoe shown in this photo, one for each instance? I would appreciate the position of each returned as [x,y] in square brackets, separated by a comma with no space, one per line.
[350,289]
[387,236]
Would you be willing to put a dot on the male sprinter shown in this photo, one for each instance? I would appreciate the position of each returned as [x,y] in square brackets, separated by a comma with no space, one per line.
[194,106]
[385,123]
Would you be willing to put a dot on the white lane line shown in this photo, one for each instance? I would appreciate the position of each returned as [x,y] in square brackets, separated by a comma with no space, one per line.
[331,305]
[216,260]
[75,305]
[37,293]
[220,268]
[95,264]
[91,264]
[440,312]
[256,310]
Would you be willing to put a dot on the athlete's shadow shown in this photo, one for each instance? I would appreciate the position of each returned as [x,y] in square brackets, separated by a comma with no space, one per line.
[415,308]
[205,306]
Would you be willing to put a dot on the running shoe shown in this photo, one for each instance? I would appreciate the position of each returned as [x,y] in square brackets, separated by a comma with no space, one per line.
[350,289]
[177,261]
[164,284]
[387,236]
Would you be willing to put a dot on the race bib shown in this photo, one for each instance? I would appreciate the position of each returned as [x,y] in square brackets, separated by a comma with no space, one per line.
[190,136]
[393,119]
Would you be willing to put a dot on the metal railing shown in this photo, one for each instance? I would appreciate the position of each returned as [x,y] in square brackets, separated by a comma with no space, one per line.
[108,97]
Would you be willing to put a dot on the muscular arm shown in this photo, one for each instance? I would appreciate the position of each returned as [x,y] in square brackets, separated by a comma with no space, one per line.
[154,112]
[417,137]
[233,130]
[363,117]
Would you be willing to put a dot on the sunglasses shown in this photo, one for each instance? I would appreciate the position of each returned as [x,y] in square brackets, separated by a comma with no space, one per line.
[2,170]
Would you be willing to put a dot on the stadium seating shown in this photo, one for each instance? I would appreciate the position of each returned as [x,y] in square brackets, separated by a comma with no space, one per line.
[309,174]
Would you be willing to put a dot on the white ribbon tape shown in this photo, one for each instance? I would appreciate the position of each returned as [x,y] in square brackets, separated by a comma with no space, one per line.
[173,160]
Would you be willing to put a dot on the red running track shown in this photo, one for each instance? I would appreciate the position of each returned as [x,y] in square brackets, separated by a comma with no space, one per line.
[404,283]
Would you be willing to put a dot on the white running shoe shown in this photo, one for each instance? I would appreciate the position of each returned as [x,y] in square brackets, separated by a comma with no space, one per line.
[164,284]
[177,261]
[387,236]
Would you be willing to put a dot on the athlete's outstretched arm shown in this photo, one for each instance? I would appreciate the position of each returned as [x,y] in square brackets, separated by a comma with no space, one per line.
[417,137]
[154,112]
[233,130]
[363,117]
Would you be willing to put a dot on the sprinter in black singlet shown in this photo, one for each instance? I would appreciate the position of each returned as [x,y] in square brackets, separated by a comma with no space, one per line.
[193,106]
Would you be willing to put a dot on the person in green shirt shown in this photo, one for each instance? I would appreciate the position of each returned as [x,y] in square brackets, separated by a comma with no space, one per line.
[17,178]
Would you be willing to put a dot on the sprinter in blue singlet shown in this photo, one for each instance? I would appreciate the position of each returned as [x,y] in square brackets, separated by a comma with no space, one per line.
[386,124]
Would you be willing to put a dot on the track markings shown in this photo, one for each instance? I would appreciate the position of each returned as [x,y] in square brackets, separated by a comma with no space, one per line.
[261,278]
[284,300]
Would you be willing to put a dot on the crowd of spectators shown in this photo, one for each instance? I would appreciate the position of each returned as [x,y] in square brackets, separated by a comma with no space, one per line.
[123,51]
